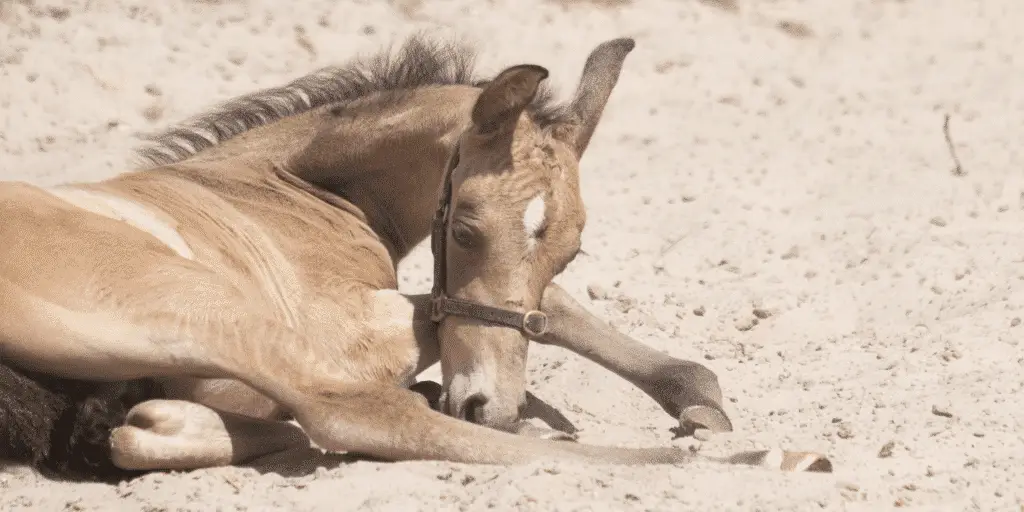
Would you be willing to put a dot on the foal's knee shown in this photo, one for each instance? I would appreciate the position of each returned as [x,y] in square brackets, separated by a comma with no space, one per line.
[684,383]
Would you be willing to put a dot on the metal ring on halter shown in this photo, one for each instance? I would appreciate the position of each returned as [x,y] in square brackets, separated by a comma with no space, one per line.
[535,323]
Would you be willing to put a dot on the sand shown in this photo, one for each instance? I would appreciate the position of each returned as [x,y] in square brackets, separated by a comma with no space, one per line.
[781,159]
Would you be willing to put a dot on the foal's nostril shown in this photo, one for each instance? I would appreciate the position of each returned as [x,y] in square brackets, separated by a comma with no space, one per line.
[472,409]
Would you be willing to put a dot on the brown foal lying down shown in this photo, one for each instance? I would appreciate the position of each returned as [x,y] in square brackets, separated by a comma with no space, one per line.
[175,316]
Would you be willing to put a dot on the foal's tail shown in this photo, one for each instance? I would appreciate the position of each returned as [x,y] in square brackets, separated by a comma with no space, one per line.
[62,427]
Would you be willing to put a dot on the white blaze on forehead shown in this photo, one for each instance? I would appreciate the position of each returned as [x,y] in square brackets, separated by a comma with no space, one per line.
[533,217]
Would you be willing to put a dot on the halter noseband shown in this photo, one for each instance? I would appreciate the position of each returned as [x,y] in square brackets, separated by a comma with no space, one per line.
[533,323]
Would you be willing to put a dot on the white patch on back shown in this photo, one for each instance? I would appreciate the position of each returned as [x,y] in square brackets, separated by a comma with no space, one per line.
[124,210]
[533,218]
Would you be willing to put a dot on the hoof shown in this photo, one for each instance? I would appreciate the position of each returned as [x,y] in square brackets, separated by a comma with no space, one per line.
[525,428]
[703,416]
[781,460]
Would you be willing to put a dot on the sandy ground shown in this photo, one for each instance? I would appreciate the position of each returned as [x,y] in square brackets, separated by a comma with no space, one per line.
[783,160]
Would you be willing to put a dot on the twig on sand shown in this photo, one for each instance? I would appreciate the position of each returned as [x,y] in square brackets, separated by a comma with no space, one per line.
[958,170]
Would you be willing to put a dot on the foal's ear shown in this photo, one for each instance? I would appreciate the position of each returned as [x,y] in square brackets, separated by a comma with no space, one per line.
[504,98]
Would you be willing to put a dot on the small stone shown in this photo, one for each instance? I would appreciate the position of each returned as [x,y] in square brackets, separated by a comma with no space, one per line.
[796,29]
[1015,322]
[844,431]
[730,6]
[939,410]
[951,354]
[237,56]
[762,313]
[699,311]
[597,292]
[746,324]
[971,462]
[625,304]
[792,253]
[938,221]
[886,450]
[59,13]
[152,113]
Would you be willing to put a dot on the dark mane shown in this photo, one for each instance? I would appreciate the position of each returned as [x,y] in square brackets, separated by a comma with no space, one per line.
[419,62]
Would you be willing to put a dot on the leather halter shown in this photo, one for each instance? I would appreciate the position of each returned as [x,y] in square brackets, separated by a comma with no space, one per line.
[533,323]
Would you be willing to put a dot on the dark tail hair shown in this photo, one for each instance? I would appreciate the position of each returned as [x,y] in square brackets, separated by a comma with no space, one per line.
[61,427]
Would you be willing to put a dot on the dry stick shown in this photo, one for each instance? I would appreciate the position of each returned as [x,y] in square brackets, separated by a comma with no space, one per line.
[958,170]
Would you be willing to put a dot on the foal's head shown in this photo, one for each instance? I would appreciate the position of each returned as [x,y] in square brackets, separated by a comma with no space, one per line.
[515,222]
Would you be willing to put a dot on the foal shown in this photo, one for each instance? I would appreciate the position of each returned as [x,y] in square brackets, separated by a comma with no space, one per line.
[248,275]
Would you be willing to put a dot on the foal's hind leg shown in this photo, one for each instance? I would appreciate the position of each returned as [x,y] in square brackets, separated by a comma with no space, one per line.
[180,435]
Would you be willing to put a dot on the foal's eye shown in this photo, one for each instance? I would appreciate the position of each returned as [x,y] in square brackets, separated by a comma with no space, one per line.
[464,235]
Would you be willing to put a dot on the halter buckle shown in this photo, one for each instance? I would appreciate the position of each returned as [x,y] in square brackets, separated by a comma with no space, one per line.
[437,312]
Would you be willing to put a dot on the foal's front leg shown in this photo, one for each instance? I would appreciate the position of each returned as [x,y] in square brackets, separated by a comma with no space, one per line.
[687,390]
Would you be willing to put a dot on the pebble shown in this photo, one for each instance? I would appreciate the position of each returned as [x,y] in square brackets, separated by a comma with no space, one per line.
[597,292]
[746,324]
[939,410]
[699,311]
[844,432]
[886,450]
[626,304]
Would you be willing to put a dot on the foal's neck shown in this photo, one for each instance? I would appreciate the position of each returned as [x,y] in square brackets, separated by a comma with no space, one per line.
[388,159]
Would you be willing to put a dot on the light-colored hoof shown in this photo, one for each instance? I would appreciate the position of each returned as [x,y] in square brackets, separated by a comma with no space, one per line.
[703,416]
[525,428]
[782,460]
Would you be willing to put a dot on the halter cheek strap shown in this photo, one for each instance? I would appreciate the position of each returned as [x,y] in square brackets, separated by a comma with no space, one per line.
[533,323]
